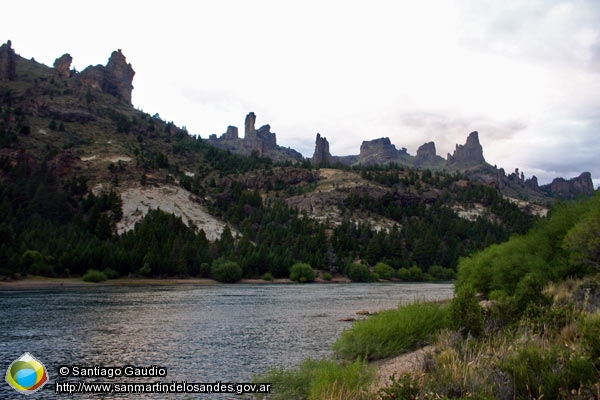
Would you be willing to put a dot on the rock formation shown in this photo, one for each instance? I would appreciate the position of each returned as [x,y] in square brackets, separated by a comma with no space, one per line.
[8,62]
[426,152]
[581,185]
[115,79]
[321,156]
[62,66]
[231,134]
[249,123]
[261,141]
[378,151]
[469,154]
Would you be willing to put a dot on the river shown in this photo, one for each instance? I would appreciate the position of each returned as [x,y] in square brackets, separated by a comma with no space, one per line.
[197,333]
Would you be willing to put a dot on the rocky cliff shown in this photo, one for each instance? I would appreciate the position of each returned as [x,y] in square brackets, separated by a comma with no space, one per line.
[379,151]
[581,185]
[321,156]
[115,78]
[8,62]
[62,66]
[467,155]
[259,141]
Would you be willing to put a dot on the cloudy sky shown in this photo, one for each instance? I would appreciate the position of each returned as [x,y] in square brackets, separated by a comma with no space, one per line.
[525,74]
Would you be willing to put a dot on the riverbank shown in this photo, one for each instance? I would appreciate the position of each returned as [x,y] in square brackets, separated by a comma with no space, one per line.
[39,282]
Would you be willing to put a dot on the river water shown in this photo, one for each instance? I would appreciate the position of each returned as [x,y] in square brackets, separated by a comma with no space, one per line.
[198,333]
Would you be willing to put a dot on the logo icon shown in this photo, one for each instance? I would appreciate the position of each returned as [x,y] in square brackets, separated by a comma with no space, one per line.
[26,374]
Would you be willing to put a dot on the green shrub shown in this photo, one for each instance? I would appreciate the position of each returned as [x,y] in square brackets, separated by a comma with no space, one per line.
[320,379]
[384,271]
[327,276]
[267,276]
[415,274]
[93,275]
[226,271]
[110,273]
[359,273]
[392,332]
[403,274]
[590,337]
[543,372]
[530,290]
[440,273]
[465,312]
[301,272]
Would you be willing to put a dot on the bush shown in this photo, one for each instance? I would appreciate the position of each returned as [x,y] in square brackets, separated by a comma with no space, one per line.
[267,276]
[384,271]
[320,379]
[226,271]
[465,312]
[360,273]
[302,273]
[442,274]
[530,290]
[590,337]
[327,276]
[392,332]
[110,273]
[93,275]
[403,274]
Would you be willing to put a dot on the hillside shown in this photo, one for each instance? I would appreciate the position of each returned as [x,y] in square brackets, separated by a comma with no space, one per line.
[81,171]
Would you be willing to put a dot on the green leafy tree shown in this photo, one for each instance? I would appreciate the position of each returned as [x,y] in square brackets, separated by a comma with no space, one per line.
[226,271]
[465,313]
[360,273]
[302,273]
[384,271]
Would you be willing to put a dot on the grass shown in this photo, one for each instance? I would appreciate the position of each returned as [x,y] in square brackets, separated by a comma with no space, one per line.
[321,380]
[393,332]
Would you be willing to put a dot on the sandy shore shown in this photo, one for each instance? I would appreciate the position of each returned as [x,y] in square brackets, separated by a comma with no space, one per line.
[43,282]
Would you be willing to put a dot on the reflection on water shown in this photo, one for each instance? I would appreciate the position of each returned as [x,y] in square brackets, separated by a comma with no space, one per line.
[226,333]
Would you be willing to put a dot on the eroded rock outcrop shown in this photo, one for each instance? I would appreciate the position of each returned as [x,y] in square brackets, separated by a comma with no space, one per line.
[378,151]
[62,66]
[115,78]
[321,156]
[8,62]
[469,154]
[581,185]
[260,141]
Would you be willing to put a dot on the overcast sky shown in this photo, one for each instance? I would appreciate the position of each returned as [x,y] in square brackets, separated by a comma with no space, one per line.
[525,74]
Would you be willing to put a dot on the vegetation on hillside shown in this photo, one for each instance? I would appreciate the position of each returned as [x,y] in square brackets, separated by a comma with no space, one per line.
[536,336]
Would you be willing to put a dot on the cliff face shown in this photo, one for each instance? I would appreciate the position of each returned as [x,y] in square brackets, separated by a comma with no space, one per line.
[115,79]
[469,154]
[321,156]
[8,62]
[581,185]
[62,66]
[378,151]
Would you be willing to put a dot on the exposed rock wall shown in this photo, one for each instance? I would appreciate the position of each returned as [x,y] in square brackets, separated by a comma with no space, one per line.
[115,79]
[469,154]
[378,151]
[321,156]
[8,62]
[261,141]
[581,185]
[62,66]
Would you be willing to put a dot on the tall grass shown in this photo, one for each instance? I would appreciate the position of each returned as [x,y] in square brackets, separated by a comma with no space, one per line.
[392,332]
[321,380]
